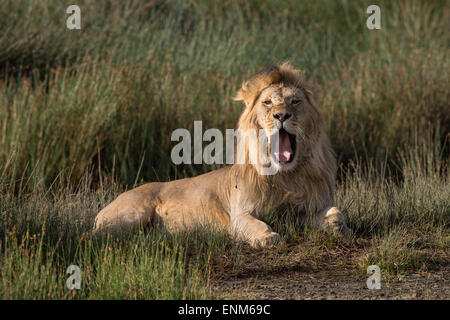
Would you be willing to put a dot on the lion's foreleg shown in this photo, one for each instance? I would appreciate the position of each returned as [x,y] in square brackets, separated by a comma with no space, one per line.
[256,232]
[244,225]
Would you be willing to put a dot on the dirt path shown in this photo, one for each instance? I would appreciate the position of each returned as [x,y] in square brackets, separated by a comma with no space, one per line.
[325,285]
[320,270]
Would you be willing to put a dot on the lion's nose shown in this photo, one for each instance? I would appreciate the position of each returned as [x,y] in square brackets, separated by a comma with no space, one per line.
[282,116]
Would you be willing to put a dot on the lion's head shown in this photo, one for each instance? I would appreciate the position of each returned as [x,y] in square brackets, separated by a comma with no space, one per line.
[278,100]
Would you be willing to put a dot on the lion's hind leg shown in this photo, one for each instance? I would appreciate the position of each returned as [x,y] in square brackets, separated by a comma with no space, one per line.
[127,212]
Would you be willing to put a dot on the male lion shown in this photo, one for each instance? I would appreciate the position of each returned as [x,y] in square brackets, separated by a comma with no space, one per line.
[235,197]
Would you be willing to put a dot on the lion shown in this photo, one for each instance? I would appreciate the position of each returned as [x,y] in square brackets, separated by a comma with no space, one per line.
[238,196]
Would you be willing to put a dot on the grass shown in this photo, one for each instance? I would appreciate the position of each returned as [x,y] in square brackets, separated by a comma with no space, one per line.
[44,235]
[86,114]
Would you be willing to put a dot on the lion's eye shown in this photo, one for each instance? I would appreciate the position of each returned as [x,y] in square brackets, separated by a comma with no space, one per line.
[296,101]
[267,102]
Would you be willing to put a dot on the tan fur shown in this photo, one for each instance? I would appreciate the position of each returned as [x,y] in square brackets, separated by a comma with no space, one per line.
[236,197]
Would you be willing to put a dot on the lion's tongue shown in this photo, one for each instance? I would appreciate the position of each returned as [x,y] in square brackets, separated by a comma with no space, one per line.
[284,153]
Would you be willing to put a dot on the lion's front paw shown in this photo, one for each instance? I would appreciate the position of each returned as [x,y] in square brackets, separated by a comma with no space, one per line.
[336,224]
[265,240]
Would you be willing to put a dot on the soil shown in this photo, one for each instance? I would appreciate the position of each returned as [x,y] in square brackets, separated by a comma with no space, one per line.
[328,273]
[329,285]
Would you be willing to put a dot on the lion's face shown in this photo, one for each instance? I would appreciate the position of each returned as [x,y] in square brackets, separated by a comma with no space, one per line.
[285,110]
[282,104]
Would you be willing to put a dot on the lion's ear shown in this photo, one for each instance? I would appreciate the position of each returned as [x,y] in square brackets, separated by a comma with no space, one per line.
[251,89]
[245,94]
[313,93]
[240,95]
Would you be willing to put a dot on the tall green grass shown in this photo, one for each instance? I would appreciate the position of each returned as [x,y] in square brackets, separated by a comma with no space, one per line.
[139,269]
[42,235]
[112,93]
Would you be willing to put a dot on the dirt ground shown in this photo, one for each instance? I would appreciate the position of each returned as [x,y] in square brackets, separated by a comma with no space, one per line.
[326,285]
[291,275]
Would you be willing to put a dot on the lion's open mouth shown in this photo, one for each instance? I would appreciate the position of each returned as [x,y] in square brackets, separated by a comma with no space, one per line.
[285,150]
